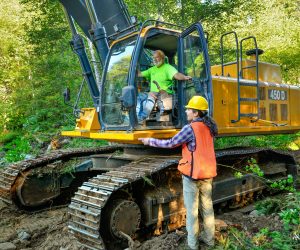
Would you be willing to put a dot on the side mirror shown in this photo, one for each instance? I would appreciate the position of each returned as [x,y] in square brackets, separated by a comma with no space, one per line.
[66,95]
[128,97]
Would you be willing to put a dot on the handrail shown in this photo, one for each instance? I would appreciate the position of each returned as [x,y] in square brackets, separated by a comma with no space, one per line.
[252,66]
[236,51]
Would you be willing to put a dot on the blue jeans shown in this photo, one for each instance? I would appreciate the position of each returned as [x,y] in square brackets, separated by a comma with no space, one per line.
[192,191]
[145,104]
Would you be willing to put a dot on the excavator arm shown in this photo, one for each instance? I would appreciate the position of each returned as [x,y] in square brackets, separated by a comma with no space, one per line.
[112,15]
[98,20]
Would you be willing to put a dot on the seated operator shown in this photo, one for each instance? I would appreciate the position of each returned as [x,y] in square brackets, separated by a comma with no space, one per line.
[161,77]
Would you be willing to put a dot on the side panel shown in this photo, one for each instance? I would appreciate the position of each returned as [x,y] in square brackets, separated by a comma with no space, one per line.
[226,102]
[267,72]
[295,106]
[222,94]
[275,103]
[279,108]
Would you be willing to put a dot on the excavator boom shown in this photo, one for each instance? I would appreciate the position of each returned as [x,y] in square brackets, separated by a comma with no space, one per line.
[113,14]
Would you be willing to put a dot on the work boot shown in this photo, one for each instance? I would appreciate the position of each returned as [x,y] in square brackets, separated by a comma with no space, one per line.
[184,246]
[210,243]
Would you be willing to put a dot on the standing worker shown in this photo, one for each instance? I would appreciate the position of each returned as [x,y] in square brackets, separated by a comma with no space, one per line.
[161,77]
[198,167]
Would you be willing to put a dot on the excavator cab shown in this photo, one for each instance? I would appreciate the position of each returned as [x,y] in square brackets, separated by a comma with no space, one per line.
[187,51]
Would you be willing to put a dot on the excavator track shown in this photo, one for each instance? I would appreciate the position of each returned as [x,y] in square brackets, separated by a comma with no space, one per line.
[86,207]
[90,216]
[14,176]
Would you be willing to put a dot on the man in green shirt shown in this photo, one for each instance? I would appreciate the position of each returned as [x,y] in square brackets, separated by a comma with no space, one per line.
[161,77]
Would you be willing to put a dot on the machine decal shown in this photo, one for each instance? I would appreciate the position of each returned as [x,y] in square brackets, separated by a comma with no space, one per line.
[277,95]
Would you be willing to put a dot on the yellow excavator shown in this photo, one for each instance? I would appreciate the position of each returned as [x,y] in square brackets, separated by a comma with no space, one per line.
[127,190]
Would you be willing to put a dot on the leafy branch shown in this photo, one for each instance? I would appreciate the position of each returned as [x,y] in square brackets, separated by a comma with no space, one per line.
[253,168]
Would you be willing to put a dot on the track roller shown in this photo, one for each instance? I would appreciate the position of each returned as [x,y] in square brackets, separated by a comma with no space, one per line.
[125,217]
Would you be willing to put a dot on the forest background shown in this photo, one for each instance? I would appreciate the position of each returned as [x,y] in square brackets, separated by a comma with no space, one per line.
[37,63]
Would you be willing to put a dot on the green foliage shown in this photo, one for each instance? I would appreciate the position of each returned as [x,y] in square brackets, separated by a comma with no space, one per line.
[284,185]
[253,167]
[16,149]
[290,217]
[290,212]
[8,136]
[264,239]
[38,44]
[288,209]
[12,61]
[46,26]
[84,143]
[269,141]
[148,181]
[282,48]
[238,175]
[269,205]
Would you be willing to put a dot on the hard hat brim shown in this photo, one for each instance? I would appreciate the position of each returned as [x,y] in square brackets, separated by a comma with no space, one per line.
[188,107]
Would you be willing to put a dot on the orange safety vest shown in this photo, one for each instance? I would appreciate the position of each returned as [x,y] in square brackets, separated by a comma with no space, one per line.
[200,164]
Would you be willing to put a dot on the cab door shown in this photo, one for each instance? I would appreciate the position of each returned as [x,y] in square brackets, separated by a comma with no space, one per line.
[193,60]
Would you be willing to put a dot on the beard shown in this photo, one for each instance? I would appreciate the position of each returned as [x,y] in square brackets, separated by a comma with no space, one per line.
[158,63]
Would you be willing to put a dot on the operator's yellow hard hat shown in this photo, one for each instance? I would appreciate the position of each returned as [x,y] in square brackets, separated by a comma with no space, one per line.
[197,102]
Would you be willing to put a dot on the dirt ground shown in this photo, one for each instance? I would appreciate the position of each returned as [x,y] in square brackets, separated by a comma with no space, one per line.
[48,229]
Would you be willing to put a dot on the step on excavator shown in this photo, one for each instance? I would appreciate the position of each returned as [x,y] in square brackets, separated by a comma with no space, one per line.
[127,190]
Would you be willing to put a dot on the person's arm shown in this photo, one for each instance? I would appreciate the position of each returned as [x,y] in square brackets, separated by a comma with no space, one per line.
[145,73]
[181,77]
[184,136]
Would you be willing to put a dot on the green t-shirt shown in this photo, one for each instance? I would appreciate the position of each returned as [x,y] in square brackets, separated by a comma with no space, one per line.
[162,75]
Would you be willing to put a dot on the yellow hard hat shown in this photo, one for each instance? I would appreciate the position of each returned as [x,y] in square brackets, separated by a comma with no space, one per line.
[197,102]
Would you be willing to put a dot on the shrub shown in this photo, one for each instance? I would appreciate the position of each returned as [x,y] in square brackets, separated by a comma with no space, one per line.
[16,150]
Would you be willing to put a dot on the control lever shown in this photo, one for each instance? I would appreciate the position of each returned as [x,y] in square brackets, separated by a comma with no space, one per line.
[157,85]
[159,102]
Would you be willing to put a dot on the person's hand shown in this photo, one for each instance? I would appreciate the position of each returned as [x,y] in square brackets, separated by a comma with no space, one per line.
[145,141]
[188,78]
